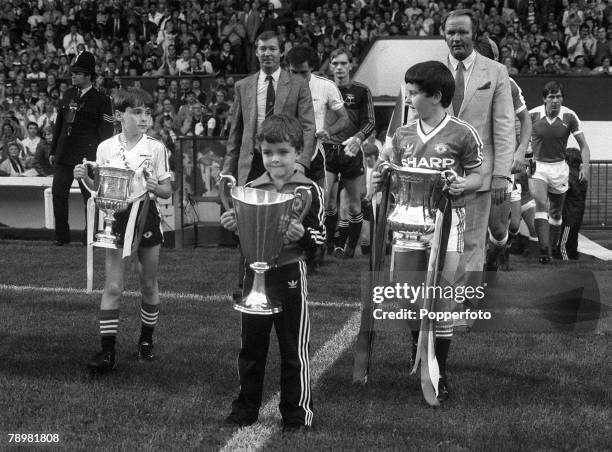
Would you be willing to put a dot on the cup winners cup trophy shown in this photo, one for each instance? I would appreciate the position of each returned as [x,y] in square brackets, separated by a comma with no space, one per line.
[113,192]
[416,225]
[263,218]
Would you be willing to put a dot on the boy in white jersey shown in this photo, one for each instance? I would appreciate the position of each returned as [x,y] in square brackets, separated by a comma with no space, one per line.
[132,149]
[439,141]
[552,125]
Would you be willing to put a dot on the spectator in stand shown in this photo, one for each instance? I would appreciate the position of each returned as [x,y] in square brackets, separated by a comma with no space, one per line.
[532,67]
[12,166]
[41,157]
[49,116]
[192,125]
[556,64]
[603,47]
[580,66]
[234,32]
[70,41]
[29,145]
[508,62]
[604,69]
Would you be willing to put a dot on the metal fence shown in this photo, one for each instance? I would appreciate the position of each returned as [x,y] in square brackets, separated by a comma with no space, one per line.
[598,213]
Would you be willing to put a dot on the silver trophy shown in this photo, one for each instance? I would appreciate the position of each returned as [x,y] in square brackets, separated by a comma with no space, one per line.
[416,192]
[263,218]
[112,193]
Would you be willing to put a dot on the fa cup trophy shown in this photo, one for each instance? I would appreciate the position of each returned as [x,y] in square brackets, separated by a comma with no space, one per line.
[263,218]
[113,190]
[414,194]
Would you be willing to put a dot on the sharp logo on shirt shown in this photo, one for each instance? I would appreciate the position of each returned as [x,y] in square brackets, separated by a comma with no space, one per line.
[440,148]
[350,99]
[430,163]
[292,284]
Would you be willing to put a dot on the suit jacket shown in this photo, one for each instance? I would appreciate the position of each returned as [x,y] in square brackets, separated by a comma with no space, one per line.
[92,123]
[292,98]
[487,106]
[251,25]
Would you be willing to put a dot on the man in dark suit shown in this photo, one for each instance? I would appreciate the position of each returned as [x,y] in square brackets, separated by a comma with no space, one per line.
[84,119]
[269,91]
[116,27]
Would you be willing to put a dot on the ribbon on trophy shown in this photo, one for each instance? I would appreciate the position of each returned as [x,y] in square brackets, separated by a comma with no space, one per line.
[426,353]
[137,197]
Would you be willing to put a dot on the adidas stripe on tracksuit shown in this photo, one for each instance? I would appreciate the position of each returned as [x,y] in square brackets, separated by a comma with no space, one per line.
[285,283]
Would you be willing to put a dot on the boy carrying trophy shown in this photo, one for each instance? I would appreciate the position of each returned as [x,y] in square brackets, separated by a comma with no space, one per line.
[138,228]
[436,140]
[281,140]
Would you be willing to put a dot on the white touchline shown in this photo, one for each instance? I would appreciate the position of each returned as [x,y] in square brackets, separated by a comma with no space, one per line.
[213,298]
[255,437]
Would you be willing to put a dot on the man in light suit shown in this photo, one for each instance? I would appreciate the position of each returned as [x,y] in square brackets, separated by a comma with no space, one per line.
[269,91]
[482,99]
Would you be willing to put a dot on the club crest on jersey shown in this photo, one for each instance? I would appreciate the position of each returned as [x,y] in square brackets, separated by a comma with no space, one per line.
[350,99]
[430,163]
[292,284]
[440,148]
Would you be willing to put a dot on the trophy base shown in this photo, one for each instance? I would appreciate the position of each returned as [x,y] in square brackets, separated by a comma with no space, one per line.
[106,241]
[257,304]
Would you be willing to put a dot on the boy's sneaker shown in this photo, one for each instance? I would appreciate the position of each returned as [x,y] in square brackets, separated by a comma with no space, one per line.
[102,362]
[145,351]
[443,393]
[233,421]
[544,256]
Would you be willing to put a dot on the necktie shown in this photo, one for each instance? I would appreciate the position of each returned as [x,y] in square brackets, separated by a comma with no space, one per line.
[459,88]
[270,96]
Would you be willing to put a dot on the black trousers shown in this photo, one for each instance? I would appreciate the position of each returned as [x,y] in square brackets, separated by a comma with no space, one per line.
[286,284]
[62,181]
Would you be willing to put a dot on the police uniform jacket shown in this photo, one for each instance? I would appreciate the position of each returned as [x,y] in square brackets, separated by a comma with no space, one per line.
[81,125]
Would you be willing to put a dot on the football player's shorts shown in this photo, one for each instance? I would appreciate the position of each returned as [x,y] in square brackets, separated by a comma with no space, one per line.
[555,175]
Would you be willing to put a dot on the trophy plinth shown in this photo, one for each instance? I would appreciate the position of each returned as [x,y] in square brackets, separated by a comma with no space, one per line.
[263,218]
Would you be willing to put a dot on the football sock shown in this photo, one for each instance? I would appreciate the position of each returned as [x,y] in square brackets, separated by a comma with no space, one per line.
[148,318]
[542,228]
[555,231]
[354,229]
[109,323]
[341,233]
[331,218]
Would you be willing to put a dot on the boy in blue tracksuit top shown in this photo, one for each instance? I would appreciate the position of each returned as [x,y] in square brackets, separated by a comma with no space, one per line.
[281,141]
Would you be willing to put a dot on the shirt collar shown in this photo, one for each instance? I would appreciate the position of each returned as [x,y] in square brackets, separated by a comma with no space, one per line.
[466,62]
[275,75]
[84,90]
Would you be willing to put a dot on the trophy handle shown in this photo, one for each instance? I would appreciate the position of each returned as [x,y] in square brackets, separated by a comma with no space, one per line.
[94,166]
[226,183]
[301,202]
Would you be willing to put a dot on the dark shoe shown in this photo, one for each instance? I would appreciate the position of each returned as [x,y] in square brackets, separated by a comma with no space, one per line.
[60,243]
[443,393]
[292,429]
[349,253]
[237,422]
[556,253]
[544,256]
[145,351]
[338,252]
[102,362]
[365,249]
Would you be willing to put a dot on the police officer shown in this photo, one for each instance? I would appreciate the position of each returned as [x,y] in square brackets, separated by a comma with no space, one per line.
[84,119]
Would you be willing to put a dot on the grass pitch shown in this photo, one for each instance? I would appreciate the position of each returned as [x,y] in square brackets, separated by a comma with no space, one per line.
[510,391]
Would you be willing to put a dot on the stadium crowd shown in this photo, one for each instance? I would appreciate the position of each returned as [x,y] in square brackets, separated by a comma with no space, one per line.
[166,39]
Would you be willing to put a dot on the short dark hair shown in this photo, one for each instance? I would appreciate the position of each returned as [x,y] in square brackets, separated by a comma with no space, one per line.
[433,77]
[464,12]
[302,54]
[132,97]
[282,129]
[266,35]
[337,52]
[31,123]
[552,87]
